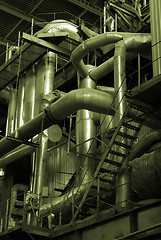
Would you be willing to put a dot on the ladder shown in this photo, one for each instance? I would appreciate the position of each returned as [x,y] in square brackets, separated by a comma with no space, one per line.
[121,137]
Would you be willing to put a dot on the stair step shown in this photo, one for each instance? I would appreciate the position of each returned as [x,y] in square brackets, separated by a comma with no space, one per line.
[110,171]
[121,144]
[127,125]
[113,162]
[102,179]
[125,135]
[117,153]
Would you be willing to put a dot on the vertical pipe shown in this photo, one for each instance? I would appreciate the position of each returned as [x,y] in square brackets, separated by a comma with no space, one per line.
[120,106]
[104,16]
[29,97]
[155,9]
[44,86]
[40,175]
[10,127]
[20,103]
[85,130]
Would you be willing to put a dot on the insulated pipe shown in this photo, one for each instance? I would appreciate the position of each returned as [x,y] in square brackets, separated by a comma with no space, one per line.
[134,42]
[102,70]
[120,106]
[29,97]
[41,161]
[155,7]
[46,87]
[89,45]
[64,201]
[85,130]
[144,144]
[10,127]
[90,99]
[20,103]
[106,89]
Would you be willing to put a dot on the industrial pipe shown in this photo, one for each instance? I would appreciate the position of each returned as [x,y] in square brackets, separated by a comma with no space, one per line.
[133,42]
[89,45]
[10,127]
[90,99]
[85,141]
[144,144]
[155,6]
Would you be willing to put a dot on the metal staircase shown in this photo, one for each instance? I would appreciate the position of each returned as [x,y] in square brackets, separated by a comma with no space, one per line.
[102,186]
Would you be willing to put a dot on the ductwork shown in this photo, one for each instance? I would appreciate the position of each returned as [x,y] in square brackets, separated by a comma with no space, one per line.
[144,144]
[64,201]
[155,6]
[11,116]
[133,42]
[145,175]
[89,45]
[90,99]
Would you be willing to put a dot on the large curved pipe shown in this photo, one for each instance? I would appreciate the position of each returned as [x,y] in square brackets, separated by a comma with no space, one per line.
[144,143]
[134,42]
[90,44]
[89,99]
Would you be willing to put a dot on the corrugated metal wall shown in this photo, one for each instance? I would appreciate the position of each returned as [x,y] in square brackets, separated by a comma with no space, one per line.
[60,168]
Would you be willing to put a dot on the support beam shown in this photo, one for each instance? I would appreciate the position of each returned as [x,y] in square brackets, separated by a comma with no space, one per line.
[88,6]
[50,46]
[20,14]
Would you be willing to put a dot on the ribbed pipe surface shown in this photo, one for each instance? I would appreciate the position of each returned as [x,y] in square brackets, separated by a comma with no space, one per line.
[155,10]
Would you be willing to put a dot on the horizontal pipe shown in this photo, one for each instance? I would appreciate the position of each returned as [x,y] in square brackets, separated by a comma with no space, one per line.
[89,99]
[90,44]
[106,89]
[102,70]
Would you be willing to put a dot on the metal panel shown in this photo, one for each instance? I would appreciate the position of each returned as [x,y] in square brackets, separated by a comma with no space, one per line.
[60,168]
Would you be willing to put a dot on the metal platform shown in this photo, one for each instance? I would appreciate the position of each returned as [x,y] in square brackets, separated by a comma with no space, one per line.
[26,232]
[33,49]
[149,92]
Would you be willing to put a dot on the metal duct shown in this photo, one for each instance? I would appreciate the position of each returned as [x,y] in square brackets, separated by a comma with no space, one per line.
[102,70]
[120,106]
[64,201]
[90,99]
[106,89]
[20,103]
[29,97]
[133,42]
[145,175]
[43,87]
[89,45]
[10,127]
[155,9]
[85,133]
[144,144]
[40,166]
